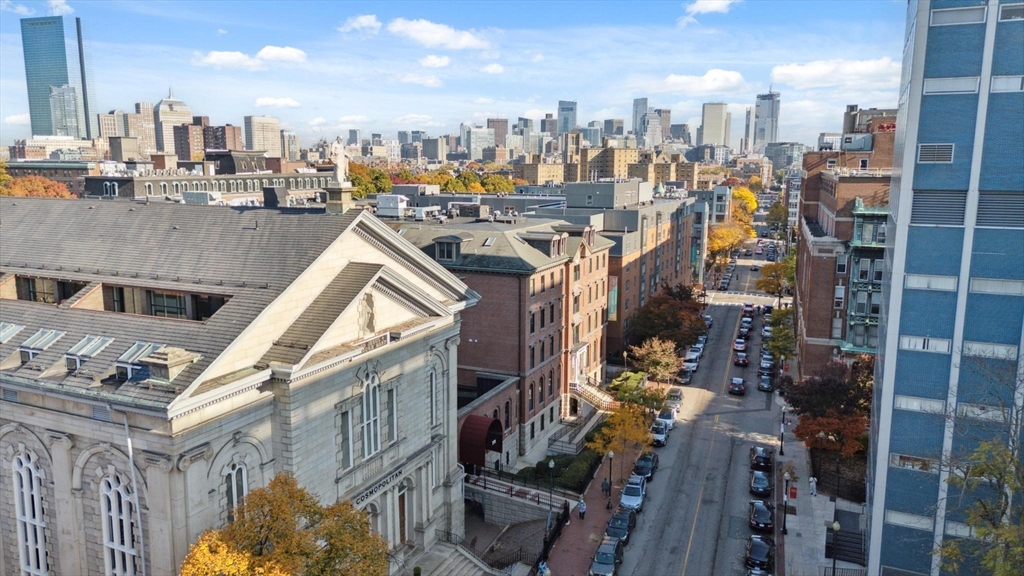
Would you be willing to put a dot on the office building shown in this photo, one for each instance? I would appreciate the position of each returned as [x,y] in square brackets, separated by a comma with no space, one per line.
[225,137]
[478,138]
[715,124]
[111,124]
[613,127]
[830,141]
[404,137]
[435,149]
[524,129]
[747,142]
[500,127]
[363,362]
[143,127]
[664,116]
[566,116]
[125,149]
[549,124]
[263,133]
[856,119]
[640,108]
[188,142]
[58,74]
[592,135]
[290,146]
[785,155]
[680,133]
[353,138]
[167,114]
[766,120]
[949,351]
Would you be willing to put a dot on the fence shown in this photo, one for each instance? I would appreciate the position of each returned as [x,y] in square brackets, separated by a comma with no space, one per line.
[511,558]
[507,482]
[551,537]
[500,564]
[827,571]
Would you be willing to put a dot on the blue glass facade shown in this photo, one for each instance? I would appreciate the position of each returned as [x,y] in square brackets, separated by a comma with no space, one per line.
[954,289]
[55,57]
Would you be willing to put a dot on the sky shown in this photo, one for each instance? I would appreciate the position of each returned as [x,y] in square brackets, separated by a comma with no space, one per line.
[326,67]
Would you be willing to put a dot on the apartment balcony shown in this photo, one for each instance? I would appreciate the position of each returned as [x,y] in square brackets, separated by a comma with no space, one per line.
[836,173]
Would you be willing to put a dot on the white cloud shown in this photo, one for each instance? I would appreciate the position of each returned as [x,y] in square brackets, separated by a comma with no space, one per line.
[18,120]
[60,7]
[537,58]
[19,9]
[221,31]
[704,7]
[877,74]
[318,121]
[428,80]
[536,113]
[281,54]
[270,102]
[361,23]
[227,59]
[484,101]
[714,81]
[417,120]
[354,119]
[432,34]
[432,61]
[493,68]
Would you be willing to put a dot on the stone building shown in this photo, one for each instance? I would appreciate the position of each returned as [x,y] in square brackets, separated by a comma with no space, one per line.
[158,362]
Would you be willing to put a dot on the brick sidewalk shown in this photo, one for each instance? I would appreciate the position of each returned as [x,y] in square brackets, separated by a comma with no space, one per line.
[574,551]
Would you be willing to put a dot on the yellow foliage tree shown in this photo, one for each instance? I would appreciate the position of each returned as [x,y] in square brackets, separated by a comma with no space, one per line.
[211,555]
[742,196]
[726,237]
[475,188]
[626,428]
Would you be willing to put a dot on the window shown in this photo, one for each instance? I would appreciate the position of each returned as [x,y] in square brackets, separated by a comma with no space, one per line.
[1008,83]
[916,404]
[878,268]
[87,348]
[345,439]
[370,405]
[446,251]
[913,463]
[837,327]
[29,513]
[392,416]
[1009,12]
[982,286]
[540,391]
[551,344]
[991,350]
[167,304]
[940,345]
[432,472]
[433,398]
[875,304]
[531,430]
[867,233]
[862,303]
[118,511]
[928,282]
[840,297]
[542,318]
[529,399]
[8,330]
[858,335]
[863,269]
[37,343]
[543,284]
[533,322]
[205,305]
[236,486]
[37,290]
[533,289]
[541,351]
[952,16]
[935,153]
[830,163]
[841,264]
[551,383]
[127,366]
[965,85]
[533,359]
[508,423]
[863,163]
[983,412]
[551,313]
[873,336]
[880,235]
[907,520]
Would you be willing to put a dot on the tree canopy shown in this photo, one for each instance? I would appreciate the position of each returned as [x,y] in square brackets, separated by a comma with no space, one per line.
[778,214]
[669,318]
[656,357]
[773,279]
[782,344]
[726,237]
[745,198]
[835,387]
[33,187]
[626,427]
[283,529]
[755,184]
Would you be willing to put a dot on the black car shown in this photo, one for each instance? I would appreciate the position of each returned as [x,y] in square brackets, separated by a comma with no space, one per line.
[621,525]
[607,558]
[767,309]
[646,466]
[760,552]
[760,483]
[761,458]
[766,368]
[748,252]
[737,386]
[762,516]
[764,384]
[744,332]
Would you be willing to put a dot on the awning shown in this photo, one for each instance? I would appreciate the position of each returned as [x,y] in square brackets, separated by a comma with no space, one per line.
[478,435]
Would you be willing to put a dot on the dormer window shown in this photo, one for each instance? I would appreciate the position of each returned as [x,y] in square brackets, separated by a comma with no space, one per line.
[167,304]
[127,366]
[86,349]
[39,342]
[8,330]
[446,251]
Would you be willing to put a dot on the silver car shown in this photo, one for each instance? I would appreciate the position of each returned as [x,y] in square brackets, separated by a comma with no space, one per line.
[634,493]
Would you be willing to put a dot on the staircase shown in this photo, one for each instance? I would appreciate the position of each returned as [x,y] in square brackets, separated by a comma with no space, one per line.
[450,560]
[592,394]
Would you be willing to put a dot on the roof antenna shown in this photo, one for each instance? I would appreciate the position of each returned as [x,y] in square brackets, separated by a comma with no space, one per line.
[170,93]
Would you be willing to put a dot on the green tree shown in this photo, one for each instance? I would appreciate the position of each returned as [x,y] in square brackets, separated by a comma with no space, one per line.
[790,273]
[778,215]
[782,344]
[657,358]
[496,183]
[773,279]
[380,180]
[468,177]
[670,319]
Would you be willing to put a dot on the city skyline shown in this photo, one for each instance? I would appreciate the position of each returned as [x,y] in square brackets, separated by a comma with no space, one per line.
[432,72]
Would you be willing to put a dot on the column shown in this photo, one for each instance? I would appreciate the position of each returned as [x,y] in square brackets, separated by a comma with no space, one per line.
[159,537]
[60,445]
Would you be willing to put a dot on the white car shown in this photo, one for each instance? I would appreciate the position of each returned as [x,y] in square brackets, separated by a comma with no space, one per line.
[659,433]
[740,345]
[667,416]
[699,349]
[766,332]
[691,361]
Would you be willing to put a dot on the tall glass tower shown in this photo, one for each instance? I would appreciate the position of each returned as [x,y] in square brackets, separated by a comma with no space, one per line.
[566,116]
[949,373]
[55,63]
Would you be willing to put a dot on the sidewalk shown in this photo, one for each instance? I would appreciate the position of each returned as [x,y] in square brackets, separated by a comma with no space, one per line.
[574,550]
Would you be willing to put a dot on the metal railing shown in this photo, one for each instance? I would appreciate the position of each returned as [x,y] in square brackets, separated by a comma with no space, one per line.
[551,537]
[538,492]
[827,571]
[512,558]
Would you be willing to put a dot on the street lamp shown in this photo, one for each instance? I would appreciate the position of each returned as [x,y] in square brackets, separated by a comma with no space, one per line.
[611,456]
[782,433]
[625,360]
[551,486]
[785,502]
[835,538]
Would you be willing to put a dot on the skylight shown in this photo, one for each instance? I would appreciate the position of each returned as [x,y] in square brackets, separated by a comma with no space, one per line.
[90,346]
[42,339]
[8,330]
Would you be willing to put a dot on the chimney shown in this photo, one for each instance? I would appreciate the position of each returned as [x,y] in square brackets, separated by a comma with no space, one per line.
[167,362]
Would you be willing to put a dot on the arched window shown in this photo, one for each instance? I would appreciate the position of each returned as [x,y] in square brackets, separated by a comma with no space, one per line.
[540,390]
[233,189]
[308,184]
[529,399]
[371,416]
[236,483]
[177,188]
[264,181]
[507,422]
[551,383]
[28,511]
[495,416]
[374,513]
[163,188]
[149,189]
[113,188]
[433,398]
[118,513]
[106,188]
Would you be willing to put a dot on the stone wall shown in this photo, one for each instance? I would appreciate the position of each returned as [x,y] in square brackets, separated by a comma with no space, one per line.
[502,509]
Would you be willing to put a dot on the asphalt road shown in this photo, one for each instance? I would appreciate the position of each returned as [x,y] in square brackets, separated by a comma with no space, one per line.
[695,519]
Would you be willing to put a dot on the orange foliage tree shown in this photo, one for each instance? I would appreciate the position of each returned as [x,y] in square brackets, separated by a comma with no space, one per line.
[833,432]
[36,187]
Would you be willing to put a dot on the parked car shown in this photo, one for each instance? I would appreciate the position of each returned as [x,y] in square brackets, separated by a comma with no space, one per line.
[740,359]
[759,250]
[740,345]
[646,466]
[621,526]
[767,309]
[766,368]
[760,483]
[747,321]
[607,558]
[744,332]
[633,494]
[674,398]
[771,256]
[737,386]
[748,252]
[691,361]
[761,458]
[760,552]
[667,417]
[659,433]
[754,267]
[766,332]
[764,383]
[698,349]
[758,572]
[748,309]
[685,375]
[702,340]
[709,321]
[761,516]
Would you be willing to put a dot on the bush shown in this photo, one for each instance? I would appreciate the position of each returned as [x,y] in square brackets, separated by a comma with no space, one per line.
[577,474]
[626,384]
[595,431]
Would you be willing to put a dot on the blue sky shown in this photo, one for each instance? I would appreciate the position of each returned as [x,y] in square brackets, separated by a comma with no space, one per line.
[325,67]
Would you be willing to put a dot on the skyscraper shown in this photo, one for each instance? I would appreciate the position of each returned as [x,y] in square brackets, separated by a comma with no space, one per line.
[548,124]
[146,128]
[613,127]
[640,108]
[353,137]
[566,116]
[111,124]
[665,122]
[263,133]
[289,146]
[715,124]
[500,127]
[57,74]
[766,120]
[404,137]
[747,143]
[948,373]
[477,139]
[167,114]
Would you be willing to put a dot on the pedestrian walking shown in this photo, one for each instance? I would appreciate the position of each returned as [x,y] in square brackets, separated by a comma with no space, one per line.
[605,488]
[582,508]
[814,485]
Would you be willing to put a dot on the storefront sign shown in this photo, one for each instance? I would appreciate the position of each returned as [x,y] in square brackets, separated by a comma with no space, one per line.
[378,487]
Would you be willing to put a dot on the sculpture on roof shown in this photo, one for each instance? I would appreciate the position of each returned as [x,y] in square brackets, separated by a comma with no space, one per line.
[340,160]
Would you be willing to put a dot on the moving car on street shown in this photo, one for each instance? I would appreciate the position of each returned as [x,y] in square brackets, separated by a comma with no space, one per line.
[737,386]
[740,345]
[740,359]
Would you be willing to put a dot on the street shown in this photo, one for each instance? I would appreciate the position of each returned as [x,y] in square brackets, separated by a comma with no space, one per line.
[695,520]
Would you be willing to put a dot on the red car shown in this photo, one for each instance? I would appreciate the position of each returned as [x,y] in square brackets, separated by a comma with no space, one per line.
[741,359]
